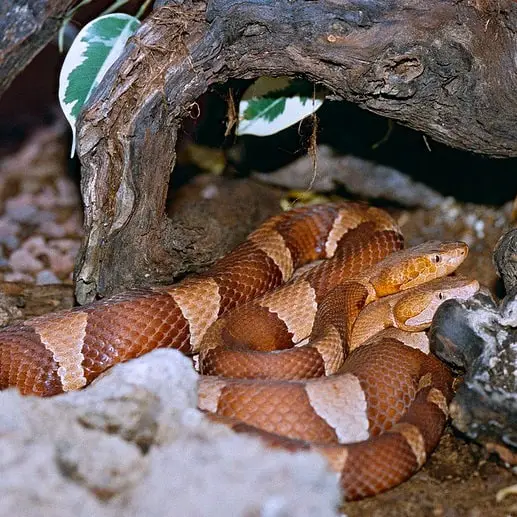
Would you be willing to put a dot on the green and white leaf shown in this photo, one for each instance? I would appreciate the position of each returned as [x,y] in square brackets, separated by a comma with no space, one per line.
[271,104]
[94,50]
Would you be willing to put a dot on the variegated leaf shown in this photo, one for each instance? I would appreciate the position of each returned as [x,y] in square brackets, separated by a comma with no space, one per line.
[271,104]
[94,50]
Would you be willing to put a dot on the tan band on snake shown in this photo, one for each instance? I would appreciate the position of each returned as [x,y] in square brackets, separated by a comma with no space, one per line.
[378,397]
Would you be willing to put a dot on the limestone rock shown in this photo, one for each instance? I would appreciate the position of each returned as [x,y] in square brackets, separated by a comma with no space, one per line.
[133,444]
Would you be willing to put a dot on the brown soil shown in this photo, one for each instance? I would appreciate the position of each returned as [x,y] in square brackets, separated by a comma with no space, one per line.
[457,481]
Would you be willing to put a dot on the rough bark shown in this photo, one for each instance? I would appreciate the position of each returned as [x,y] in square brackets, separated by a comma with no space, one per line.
[26,26]
[445,68]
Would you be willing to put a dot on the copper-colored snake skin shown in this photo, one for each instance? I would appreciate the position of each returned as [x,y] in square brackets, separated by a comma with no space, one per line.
[355,376]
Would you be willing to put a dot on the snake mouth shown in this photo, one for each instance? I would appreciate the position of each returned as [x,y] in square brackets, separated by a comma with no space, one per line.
[422,318]
[460,255]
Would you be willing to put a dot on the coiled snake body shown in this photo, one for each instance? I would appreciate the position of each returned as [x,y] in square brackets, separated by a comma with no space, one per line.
[386,400]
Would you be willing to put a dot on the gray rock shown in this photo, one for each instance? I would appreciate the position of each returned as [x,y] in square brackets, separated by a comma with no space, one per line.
[32,485]
[104,464]
[133,444]
[360,177]
[233,475]
[142,400]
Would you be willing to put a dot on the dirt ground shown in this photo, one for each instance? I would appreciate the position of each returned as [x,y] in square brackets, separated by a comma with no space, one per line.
[457,481]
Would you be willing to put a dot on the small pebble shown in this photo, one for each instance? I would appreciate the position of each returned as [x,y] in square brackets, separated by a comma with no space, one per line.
[41,224]
[24,262]
[35,245]
[52,229]
[47,277]
[16,276]
[61,263]
[8,227]
[65,245]
[10,241]
[3,261]
[46,199]
[19,209]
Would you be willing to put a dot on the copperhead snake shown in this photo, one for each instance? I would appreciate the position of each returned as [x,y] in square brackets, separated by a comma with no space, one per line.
[355,376]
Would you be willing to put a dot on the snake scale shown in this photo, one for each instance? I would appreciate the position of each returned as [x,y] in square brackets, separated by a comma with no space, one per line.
[358,385]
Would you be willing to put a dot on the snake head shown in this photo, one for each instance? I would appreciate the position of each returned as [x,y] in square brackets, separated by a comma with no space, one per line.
[414,266]
[416,307]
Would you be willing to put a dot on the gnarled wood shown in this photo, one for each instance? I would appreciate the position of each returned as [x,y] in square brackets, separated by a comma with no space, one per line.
[26,26]
[439,67]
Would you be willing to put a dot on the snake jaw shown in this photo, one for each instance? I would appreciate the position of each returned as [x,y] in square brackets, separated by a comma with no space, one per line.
[423,302]
[422,319]
[415,309]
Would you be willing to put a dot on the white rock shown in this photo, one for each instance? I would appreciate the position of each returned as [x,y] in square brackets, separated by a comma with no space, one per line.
[133,444]
[233,475]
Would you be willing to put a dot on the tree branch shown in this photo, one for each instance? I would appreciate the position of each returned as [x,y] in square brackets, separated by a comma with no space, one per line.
[443,68]
[26,26]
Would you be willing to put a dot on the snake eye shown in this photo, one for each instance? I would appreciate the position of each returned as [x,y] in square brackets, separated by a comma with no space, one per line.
[437,259]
